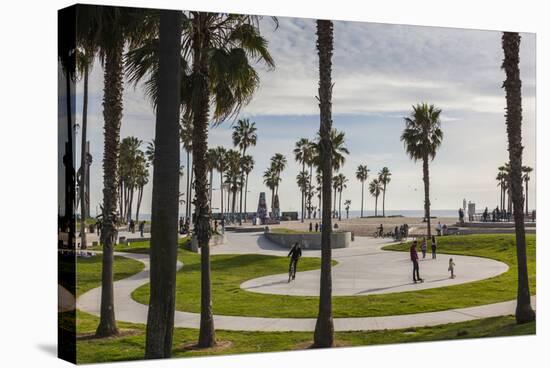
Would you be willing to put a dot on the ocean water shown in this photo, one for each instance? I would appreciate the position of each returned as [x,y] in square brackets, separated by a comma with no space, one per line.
[357,214]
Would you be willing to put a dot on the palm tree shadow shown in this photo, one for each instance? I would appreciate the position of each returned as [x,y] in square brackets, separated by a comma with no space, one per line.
[381,289]
[267,284]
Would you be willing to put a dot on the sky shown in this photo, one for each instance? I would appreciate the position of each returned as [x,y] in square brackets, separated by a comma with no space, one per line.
[379,72]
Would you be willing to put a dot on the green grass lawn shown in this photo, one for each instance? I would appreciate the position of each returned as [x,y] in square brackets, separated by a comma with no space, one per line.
[131,346]
[229,271]
[88,271]
[138,247]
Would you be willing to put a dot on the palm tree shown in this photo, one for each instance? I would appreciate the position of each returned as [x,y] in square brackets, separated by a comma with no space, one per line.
[186,137]
[302,179]
[527,170]
[84,61]
[512,86]
[375,188]
[271,180]
[501,178]
[338,139]
[221,166]
[111,28]
[278,164]
[347,203]
[324,326]
[341,184]
[150,152]
[303,155]
[362,174]
[385,177]
[142,178]
[244,136]
[165,205]
[223,46]
[335,185]
[422,137]
[211,163]
[129,161]
[233,176]
[247,164]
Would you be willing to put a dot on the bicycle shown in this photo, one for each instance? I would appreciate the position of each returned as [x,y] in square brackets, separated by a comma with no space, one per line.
[292,269]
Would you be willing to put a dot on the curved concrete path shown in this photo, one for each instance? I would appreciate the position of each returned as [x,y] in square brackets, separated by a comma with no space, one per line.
[128,310]
[365,269]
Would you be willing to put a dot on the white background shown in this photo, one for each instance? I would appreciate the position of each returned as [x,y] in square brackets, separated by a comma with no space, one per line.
[28,174]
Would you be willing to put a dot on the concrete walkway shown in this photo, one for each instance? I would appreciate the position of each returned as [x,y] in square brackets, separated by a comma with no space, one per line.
[363,269]
[128,310]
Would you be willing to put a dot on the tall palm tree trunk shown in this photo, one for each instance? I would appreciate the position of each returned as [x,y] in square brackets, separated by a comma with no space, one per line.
[221,193]
[362,194]
[334,206]
[245,196]
[303,194]
[84,163]
[310,194]
[190,192]
[207,334]
[426,179]
[210,185]
[112,115]
[324,327]
[340,207]
[384,201]
[138,204]
[130,201]
[164,208]
[241,191]
[187,188]
[375,206]
[512,85]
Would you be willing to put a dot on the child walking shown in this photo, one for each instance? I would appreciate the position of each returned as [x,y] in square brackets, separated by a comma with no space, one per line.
[452,268]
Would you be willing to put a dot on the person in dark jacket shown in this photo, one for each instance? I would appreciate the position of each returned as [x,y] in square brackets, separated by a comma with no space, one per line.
[434,248]
[294,254]
[141,228]
[414,259]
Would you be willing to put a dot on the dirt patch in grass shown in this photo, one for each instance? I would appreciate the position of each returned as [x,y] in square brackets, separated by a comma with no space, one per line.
[121,333]
[309,345]
[192,346]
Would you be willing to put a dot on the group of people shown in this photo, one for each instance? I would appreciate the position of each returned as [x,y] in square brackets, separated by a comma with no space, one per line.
[415,259]
[318,227]
[401,232]
[441,229]
[132,227]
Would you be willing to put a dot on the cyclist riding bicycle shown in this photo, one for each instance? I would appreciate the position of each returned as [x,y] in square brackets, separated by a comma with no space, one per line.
[381,230]
[294,254]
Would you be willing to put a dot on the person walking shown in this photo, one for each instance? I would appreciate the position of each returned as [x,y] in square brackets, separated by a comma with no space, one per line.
[434,247]
[316,226]
[310,227]
[414,259]
[141,228]
[452,268]
[424,247]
